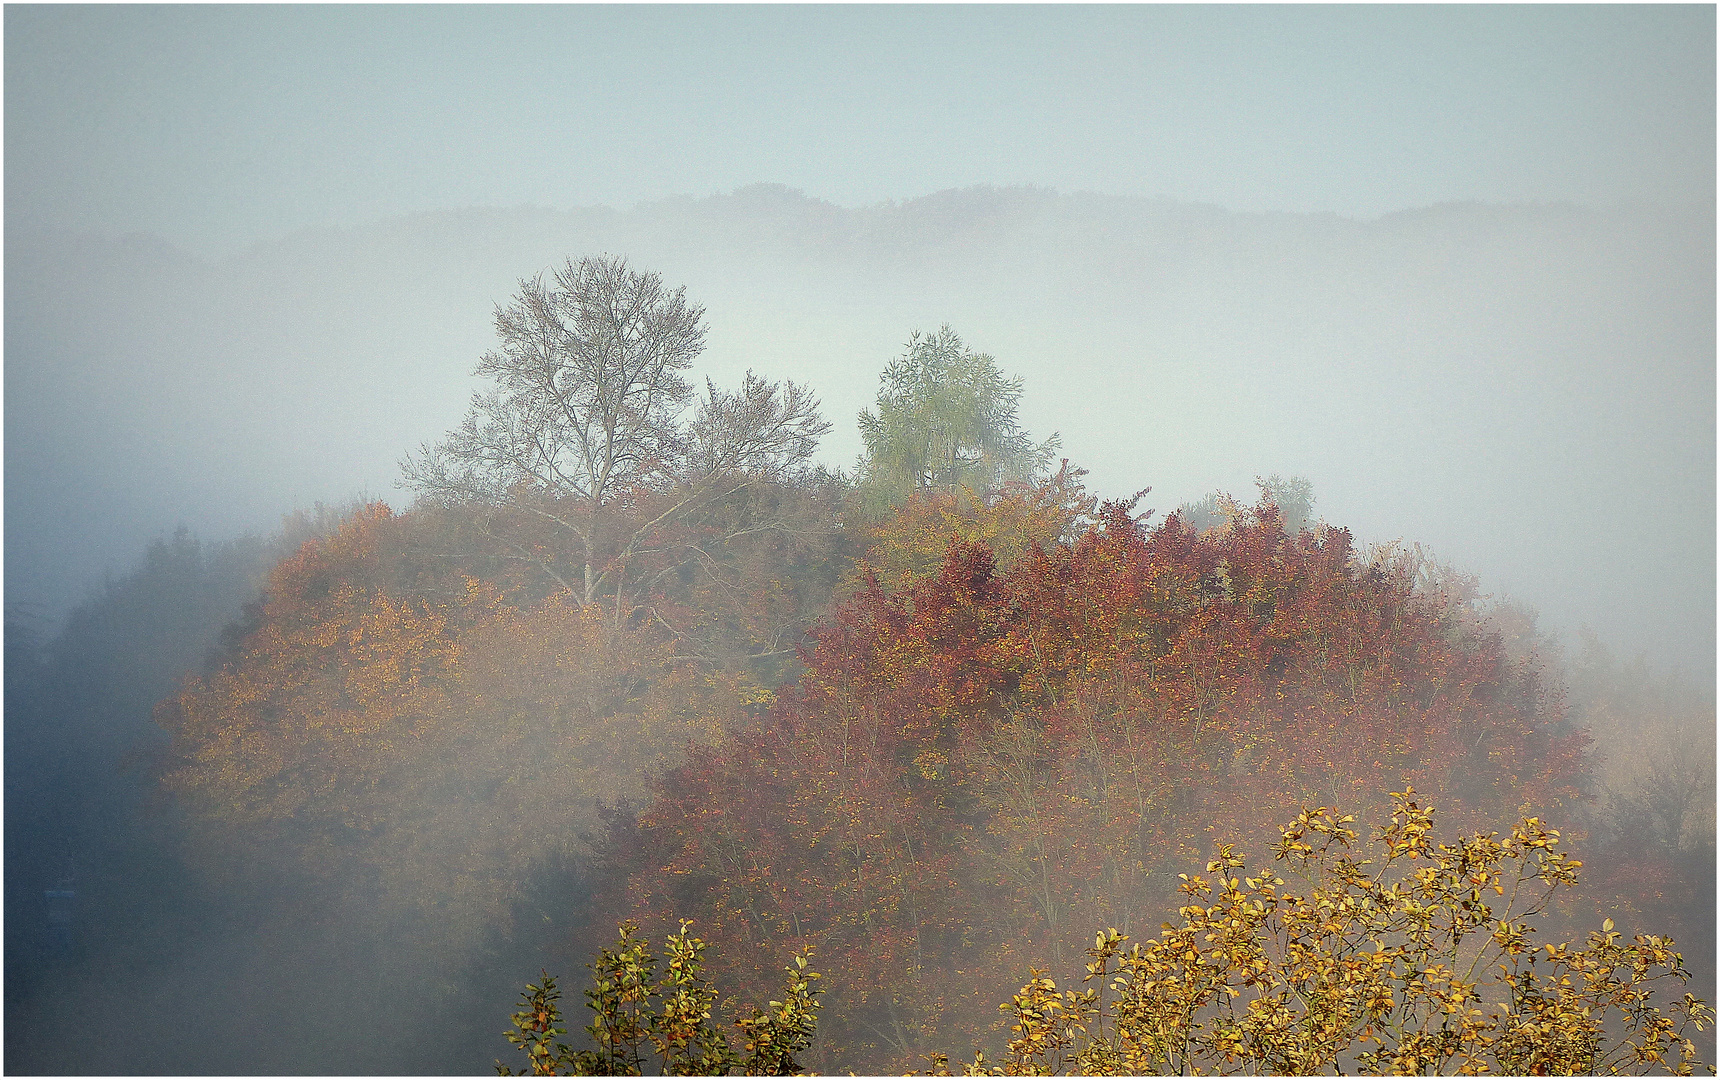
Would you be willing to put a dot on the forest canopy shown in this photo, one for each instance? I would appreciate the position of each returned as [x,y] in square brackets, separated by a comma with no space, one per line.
[934,722]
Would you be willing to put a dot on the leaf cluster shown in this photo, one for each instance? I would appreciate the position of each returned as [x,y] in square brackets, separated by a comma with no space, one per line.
[638,1018]
[908,545]
[1419,961]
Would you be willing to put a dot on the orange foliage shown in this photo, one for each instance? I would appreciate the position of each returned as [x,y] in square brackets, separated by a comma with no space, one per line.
[389,721]
[340,671]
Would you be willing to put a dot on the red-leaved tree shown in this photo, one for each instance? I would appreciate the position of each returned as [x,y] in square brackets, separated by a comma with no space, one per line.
[980,767]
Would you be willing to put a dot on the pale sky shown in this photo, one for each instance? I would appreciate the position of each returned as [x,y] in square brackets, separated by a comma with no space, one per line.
[218,126]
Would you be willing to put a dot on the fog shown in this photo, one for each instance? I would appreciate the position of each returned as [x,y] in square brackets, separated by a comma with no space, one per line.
[1525,389]
[1454,266]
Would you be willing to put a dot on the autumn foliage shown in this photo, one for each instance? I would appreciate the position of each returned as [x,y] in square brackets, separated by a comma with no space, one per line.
[640,1021]
[935,722]
[343,666]
[398,729]
[908,544]
[979,767]
[1406,956]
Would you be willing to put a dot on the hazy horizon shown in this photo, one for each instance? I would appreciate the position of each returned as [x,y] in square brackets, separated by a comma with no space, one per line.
[221,126]
[1481,333]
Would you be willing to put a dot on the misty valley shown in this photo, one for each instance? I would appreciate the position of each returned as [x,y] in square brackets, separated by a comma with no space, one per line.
[943,761]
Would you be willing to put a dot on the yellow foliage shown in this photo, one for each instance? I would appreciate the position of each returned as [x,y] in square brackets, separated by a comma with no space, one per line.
[910,543]
[1398,965]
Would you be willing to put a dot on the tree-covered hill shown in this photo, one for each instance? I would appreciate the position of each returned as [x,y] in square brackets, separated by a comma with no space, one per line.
[631,653]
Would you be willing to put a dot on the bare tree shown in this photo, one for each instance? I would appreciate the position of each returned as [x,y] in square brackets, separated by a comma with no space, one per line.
[584,418]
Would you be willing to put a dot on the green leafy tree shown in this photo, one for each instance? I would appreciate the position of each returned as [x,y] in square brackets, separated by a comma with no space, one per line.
[946,419]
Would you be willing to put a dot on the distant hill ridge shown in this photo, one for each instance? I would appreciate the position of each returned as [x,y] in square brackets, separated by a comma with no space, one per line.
[983,214]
